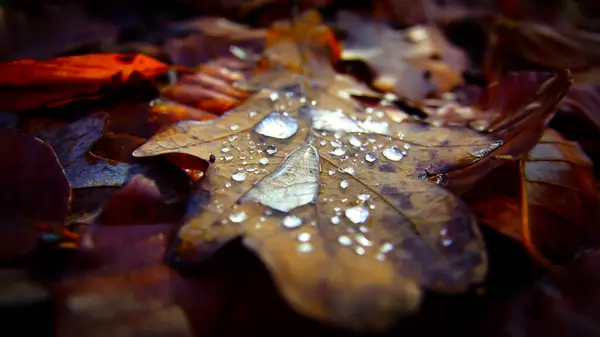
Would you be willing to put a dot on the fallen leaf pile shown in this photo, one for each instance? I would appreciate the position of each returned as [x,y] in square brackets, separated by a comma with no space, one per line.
[373,178]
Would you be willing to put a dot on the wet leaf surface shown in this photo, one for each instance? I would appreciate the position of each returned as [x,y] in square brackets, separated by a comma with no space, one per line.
[332,197]
[548,202]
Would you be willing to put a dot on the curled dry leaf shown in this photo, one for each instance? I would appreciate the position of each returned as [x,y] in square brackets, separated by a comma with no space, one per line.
[209,90]
[332,197]
[29,84]
[34,192]
[412,63]
[552,209]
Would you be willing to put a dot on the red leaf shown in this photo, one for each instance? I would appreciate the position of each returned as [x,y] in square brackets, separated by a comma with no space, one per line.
[31,84]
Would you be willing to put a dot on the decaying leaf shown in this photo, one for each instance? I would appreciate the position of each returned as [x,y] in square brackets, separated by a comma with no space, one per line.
[411,63]
[29,84]
[552,209]
[333,198]
[34,192]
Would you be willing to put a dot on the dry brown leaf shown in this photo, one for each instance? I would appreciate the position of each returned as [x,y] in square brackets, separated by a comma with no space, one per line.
[553,210]
[333,198]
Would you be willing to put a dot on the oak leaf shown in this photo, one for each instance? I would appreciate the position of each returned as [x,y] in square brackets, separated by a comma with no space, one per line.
[335,199]
[548,201]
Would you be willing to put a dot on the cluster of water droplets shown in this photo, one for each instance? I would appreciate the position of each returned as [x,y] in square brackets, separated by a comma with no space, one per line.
[353,145]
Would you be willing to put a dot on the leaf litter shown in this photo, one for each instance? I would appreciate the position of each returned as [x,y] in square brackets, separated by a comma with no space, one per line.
[503,125]
[332,198]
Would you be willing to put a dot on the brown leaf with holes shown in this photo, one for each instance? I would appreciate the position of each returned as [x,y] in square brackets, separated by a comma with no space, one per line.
[335,199]
[33,192]
[549,201]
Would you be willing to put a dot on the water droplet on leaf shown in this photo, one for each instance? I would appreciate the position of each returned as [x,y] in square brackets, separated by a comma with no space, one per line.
[357,214]
[392,153]
[277,125]
[238,217]
[370,158]
[271,150]
[291,221]
[344,184]
[240,176]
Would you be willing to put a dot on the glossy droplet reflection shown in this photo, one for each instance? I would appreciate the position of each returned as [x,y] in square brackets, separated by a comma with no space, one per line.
[357,214]
[370,158]
[344,184]
[238,217]
[291,221]
[344,240]
[338,152]
[393,154]
[294,183]
[240,176]
[277,125]
[354,141]
[304,237]
[263,161]
[271,150]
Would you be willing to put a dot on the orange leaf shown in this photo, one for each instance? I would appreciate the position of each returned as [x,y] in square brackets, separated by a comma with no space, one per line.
[31,84]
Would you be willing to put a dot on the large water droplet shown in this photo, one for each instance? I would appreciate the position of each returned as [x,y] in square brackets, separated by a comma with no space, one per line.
[263,161]
[392,153]
[370,158]
[238,217]
[344,184]
[360,251]
[277,125]
[225,149]
[240,176]
[338,152]
[271,150]
[291,221]
[234,127]
[357,214]
[335,220]
[294,183]
[344,240]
